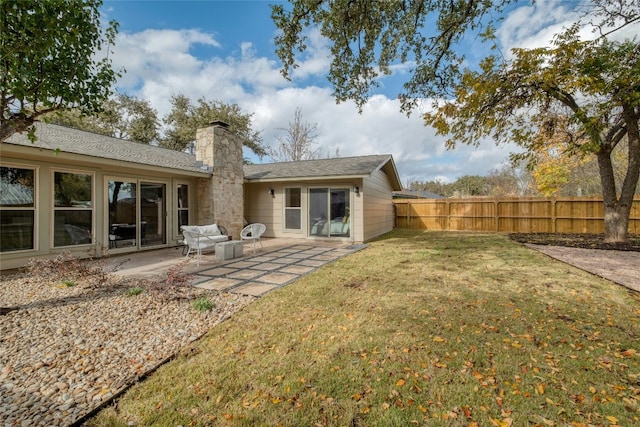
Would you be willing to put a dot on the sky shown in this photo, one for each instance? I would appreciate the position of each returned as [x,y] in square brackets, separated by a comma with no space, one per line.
[224,51]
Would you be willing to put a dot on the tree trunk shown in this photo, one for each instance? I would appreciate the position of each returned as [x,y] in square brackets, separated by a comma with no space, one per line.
[617,209]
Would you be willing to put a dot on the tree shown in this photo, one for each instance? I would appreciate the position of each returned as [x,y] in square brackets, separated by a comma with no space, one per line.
[121,117]
[594,83]
[368,37]
[47,60]
[297,142]
[185,118]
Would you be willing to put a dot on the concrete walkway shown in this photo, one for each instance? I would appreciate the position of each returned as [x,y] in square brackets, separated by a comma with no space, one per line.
[278,263]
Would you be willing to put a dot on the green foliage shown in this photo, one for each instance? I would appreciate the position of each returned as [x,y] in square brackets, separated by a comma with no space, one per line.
[136,290]
[367,38]
[123,116]
[69,283]
[48,62]
[593,83]
[185,118]
[505,181]
[581,95]
[202,304]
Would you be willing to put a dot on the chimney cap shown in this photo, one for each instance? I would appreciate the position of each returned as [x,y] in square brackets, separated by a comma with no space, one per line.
[219,123]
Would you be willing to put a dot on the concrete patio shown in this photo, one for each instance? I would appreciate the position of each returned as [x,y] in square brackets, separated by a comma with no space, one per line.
[278,263]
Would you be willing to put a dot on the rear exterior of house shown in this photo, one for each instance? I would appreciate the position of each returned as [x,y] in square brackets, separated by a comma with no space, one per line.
[79,192]
[340,198]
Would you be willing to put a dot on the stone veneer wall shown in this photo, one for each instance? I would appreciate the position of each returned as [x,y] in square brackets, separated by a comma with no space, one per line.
[220,199]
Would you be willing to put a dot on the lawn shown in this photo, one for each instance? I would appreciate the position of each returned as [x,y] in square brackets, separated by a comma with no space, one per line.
[419,328]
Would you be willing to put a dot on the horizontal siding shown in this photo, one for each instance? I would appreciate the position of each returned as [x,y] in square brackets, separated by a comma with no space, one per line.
[378,206]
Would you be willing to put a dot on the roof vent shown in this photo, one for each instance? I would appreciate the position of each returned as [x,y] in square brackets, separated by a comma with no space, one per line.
[219,123]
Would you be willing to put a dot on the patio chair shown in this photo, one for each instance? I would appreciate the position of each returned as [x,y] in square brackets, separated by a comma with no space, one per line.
[199,238]
[253,232]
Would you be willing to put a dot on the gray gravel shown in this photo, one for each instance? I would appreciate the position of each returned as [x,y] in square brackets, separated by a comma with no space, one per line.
[68,349]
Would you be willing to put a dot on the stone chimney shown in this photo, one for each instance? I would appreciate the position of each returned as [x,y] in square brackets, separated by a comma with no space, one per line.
[220,198]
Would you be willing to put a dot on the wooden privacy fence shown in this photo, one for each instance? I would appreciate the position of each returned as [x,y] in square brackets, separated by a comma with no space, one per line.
[512,215]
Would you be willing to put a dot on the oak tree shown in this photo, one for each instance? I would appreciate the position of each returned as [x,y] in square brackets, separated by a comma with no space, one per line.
[593,83]
[49,60]
[122,116]
[185,118]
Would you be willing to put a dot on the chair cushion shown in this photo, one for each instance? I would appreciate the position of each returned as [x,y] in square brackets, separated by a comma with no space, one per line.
[209,230]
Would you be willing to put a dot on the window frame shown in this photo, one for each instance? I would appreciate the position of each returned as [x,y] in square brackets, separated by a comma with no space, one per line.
[35,208]
[287,208]
[55,208]
[177,233]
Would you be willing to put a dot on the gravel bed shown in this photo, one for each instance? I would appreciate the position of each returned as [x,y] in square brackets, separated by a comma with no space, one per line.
[68,348]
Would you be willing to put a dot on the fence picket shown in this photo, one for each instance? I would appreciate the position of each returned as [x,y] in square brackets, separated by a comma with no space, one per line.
[509,214]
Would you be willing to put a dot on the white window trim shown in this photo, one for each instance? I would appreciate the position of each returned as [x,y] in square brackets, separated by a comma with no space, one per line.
[94,236]
[285,208]
[35,207]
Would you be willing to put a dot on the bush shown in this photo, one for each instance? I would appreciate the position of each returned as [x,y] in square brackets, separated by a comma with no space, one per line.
[136,290]
[202,304]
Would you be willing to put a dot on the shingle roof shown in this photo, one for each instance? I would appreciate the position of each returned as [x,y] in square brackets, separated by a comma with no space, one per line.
[69,140]
[325,168]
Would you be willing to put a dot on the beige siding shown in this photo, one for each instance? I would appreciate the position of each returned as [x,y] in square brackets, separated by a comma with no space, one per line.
[261,207]
[378,206]
[44,215]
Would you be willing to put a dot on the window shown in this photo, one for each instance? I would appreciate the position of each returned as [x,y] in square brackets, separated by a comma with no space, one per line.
[292,208]
[17,209]
[72,208]
[183,205]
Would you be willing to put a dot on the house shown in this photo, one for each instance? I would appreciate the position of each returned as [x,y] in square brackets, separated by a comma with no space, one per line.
[348,198]
[77,191]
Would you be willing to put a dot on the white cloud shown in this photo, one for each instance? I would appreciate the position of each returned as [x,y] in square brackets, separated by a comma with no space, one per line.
[160,63]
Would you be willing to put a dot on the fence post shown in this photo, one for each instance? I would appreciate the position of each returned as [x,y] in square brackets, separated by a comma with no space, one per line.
[553,215]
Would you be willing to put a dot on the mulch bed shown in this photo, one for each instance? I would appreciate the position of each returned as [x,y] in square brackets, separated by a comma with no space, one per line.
[586,241]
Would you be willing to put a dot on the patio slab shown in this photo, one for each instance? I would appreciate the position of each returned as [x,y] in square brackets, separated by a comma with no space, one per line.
[279,263]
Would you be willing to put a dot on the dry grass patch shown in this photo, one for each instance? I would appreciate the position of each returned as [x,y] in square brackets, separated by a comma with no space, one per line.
[424,328]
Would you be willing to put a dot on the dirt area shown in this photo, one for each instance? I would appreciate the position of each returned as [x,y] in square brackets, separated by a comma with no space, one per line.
[585,241]
[619,262]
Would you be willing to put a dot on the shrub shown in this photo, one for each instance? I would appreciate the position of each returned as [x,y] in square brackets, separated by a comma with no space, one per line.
[202,304]
[136,290]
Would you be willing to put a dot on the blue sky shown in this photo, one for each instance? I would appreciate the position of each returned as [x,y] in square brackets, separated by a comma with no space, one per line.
[223,50]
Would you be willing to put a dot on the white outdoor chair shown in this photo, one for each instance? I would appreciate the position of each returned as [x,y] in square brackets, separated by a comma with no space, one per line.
[200,238]
[253,232]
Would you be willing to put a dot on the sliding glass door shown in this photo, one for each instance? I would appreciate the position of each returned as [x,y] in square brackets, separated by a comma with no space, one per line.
[136,214]
[329,212]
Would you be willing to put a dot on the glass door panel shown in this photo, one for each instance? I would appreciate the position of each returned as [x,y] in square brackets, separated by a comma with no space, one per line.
[123,207]
[329,212]
[318,208]
[152,214]
[340,210]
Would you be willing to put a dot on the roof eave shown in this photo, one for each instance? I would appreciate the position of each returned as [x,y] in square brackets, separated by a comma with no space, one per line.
[38,153]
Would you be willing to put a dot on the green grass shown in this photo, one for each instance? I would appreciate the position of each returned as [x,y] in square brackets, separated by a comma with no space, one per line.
[420,328]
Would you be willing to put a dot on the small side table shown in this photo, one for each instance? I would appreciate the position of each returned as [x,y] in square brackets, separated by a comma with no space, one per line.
[225,250]
[237,248]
